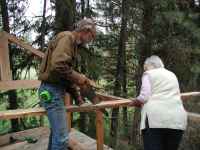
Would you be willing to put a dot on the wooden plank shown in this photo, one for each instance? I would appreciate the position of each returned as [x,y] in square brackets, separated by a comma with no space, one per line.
[77,140]
[24,45]
[36,132]
[83,142]
[68,116]
[41,134]
[194,116]
[188,95]
[105,97]
[18,113]
[11,114]
[15,146]
[19,84]
[99,130]
[5,72]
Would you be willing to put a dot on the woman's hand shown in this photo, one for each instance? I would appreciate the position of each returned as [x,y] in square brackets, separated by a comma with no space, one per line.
[136,103]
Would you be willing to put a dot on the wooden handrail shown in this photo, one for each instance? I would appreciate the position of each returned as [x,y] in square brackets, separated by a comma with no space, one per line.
[13,39]
[120,102]
[19,84]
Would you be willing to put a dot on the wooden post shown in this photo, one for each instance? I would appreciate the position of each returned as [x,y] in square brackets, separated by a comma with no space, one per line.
[5,72]
[67,103]
[99,130]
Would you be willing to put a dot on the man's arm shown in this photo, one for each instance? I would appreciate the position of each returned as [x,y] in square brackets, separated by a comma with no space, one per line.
[61,62]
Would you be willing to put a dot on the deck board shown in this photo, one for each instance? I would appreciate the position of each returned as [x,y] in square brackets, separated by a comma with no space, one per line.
[78,140]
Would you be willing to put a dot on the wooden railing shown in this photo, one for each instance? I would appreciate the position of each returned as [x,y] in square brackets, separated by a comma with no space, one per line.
[114,102]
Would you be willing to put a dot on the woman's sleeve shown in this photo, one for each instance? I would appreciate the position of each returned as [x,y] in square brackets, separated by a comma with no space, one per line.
[145,91]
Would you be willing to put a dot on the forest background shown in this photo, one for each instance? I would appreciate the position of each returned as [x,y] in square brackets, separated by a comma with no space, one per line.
[128,32]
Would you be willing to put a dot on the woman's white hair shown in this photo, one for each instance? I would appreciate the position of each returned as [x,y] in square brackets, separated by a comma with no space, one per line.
[154,61]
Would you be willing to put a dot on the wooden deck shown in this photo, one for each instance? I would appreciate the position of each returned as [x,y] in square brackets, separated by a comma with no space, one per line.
[78,140]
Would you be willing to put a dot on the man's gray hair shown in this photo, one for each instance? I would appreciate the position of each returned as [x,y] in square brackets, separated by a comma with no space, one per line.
[85,24]
[154,61]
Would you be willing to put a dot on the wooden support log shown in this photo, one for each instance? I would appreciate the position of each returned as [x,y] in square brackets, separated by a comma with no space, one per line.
[24,45]
[188,95]
[18,113]
[11,114]
[99,130]
[68,116]
[19,84]
[194,117]
[5,72]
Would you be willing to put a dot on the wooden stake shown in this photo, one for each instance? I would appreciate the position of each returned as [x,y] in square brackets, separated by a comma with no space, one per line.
[68,116]
[99,130]
[5,72]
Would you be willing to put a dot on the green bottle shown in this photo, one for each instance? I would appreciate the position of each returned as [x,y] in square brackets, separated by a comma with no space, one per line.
[46,96]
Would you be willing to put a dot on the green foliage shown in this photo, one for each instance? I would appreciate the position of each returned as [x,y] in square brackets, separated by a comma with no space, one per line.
[4,124]
[174,35]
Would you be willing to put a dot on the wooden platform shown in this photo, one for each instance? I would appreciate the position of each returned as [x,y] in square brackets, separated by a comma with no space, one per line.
[78,140]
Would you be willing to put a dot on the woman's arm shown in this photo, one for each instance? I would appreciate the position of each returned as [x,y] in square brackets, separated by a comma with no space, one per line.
[145,92]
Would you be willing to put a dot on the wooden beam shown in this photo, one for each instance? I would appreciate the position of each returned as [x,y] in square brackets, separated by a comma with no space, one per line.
[24,45]
[99,130]
[77,140]
[188,95]
[68,116]
[11,114]
[18,113]
[5,72]
[83,142]
[19,84]
[194,116]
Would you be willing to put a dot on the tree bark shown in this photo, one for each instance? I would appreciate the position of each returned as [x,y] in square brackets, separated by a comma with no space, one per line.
[145,50]
[120,83]
[64,15]
[43,26]
[82,8]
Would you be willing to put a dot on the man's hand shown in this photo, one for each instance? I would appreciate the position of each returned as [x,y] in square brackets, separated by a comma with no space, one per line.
[86,81]
[78,78]
[82,79]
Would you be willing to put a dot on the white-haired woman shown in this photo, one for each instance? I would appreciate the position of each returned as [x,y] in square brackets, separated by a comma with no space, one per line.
[163,117]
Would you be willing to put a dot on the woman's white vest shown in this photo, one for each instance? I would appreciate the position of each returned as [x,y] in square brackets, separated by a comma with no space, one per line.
[164,107]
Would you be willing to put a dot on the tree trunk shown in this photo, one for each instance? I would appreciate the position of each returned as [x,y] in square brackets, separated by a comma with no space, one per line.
[145,45]
[43,26]
[120,83]
[82,8]
[42,42]
[12,95]
[88,14]
[5,17]
[83,116]
[64,15]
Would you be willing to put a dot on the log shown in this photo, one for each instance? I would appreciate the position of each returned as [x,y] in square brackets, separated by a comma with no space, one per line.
[19,84]
[99,130]
[18,113]
[24,45]
[194,117]
[5,72]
